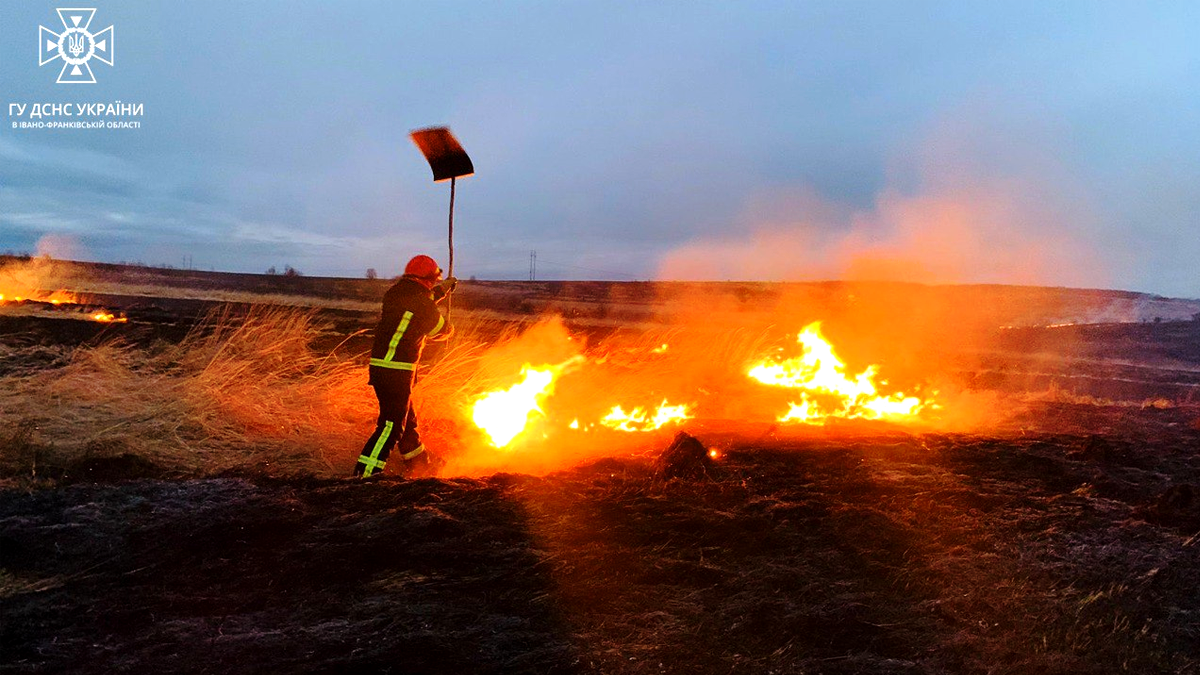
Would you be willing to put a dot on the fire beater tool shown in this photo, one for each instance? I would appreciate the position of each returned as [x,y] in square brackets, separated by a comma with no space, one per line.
[448,160]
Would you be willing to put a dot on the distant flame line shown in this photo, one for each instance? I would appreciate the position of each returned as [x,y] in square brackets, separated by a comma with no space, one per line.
[822,377]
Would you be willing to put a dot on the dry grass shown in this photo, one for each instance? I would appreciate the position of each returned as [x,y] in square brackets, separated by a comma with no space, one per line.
[86,287]
[1055,393]
[251,393]
[44,278]
[237,393]
[241,392]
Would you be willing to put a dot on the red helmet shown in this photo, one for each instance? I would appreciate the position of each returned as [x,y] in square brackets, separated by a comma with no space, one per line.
[423,267]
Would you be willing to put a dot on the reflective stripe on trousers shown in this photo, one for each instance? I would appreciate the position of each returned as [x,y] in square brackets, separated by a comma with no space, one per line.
[372,461]
[397,422]
[394,365]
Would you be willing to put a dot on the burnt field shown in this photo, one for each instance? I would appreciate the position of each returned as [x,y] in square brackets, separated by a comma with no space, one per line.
[148,526]
[840,553]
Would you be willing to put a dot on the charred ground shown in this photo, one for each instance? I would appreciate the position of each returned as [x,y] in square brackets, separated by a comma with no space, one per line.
[840,552]
[1061,541]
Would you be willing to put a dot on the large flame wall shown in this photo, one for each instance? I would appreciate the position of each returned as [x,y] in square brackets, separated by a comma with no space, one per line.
[546,398]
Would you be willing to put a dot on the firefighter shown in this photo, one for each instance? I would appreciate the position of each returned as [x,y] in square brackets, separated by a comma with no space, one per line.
[410,316]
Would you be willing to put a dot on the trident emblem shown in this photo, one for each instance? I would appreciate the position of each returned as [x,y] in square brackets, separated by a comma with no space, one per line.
[76,45]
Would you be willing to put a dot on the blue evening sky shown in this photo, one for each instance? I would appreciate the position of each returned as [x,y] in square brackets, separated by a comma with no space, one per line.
[1028,142]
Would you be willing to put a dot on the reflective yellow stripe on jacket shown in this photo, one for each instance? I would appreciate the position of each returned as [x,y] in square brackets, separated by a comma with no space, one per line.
[400,329]
[440,325]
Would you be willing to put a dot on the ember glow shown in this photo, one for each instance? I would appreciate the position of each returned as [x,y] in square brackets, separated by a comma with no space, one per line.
[107,317]
[640,420]
[30,296]
[826,390]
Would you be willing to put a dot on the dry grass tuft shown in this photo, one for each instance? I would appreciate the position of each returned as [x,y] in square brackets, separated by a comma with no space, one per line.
[239,392]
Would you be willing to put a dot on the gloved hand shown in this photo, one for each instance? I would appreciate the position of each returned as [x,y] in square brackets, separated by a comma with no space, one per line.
[449,284]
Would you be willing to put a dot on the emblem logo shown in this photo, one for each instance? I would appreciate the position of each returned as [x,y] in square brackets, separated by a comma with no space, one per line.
[76,46]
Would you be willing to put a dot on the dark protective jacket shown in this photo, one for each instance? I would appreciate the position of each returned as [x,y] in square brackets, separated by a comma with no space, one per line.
[409,316]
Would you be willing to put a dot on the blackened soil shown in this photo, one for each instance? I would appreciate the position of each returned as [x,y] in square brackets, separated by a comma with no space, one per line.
[1028,552]
[226,575]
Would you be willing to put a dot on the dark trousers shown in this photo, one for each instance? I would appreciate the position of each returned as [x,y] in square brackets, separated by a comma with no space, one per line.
[397,422]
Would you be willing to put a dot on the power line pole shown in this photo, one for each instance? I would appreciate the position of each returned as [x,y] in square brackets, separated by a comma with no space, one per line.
[533,265]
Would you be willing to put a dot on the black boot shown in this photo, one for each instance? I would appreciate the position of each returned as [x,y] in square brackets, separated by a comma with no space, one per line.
[424,465]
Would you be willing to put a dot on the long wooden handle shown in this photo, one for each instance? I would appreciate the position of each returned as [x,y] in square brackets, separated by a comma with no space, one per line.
[448,298]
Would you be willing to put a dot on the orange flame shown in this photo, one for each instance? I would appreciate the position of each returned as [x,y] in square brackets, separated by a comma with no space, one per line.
[59,297]
[107,317]
[640,420]
[505,413]
[54,298]
[547,417]
[826,390]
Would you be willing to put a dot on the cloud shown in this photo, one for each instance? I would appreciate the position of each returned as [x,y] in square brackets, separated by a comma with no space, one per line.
[71,164]
[267,233]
